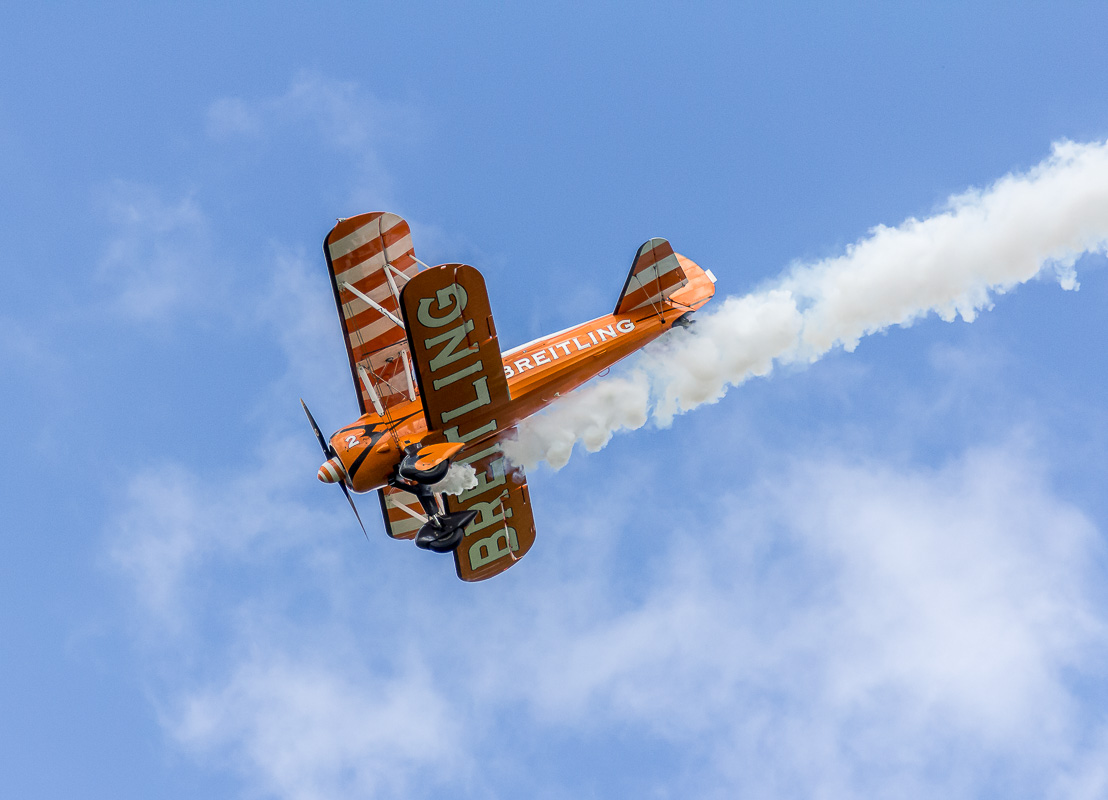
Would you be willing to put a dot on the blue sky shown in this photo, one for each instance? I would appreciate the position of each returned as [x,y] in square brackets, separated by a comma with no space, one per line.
[880,574]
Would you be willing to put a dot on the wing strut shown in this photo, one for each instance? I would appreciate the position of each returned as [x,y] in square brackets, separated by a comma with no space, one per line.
[392,284]
[368,384]
[373,304]
[408,374]
[400,274]
[413,514]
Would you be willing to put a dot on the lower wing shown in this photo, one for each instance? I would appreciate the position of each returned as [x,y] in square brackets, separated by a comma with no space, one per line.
[504,528]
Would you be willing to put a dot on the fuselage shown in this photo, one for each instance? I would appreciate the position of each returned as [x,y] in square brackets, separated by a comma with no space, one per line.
[537,374]
[437,391]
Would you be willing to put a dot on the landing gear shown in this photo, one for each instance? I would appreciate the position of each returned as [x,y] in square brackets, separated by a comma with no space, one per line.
[442,532]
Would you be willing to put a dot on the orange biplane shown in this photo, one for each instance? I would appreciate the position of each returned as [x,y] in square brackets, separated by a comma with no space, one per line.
[434,387]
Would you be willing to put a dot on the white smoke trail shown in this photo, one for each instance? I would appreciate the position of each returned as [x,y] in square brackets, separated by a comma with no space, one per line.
[459,478]
[983,243]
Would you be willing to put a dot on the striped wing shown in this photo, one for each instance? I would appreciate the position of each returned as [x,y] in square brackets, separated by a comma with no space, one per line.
[655,275]
[370,256]
[400,524]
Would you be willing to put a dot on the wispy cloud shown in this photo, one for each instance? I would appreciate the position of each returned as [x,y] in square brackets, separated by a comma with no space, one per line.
[174,526]
[308,729]
[865,619]
[337,115]
[19,344]
[158,258]
[840,628]
[167,254]
[339,112]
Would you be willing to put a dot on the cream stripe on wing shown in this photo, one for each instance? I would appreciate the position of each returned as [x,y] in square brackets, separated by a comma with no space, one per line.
[366,233]
[368,333]
[406,525]
[375,262]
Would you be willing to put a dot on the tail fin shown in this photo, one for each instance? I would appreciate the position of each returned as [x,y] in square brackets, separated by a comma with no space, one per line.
[655,275]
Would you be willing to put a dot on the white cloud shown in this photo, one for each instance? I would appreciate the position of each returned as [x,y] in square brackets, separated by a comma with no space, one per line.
[294,304]
[968,593]
[336,115]
[340,114]
[19,345]
[844,629]
[176,527]
[158,258]
[308,729]
[161,257]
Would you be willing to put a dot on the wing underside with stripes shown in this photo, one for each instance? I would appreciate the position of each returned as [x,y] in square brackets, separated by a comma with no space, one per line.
[655,275]
[402,512]
[370,258]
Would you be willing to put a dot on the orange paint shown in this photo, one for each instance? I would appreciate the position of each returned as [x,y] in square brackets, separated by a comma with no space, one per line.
[442,382]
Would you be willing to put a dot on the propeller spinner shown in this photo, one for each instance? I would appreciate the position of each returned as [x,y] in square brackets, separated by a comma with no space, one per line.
[332,471]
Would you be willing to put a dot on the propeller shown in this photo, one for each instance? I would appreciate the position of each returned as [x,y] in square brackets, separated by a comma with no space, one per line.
[330,453]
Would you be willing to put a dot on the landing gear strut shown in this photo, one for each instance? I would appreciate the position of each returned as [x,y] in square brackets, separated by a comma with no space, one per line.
[442,532]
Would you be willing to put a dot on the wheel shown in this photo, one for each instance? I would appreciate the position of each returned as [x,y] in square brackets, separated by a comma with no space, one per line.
[444,533]
[448,543]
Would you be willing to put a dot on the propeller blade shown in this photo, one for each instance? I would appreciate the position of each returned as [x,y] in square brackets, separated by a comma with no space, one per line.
[318,434]
[350,500]
[330,451]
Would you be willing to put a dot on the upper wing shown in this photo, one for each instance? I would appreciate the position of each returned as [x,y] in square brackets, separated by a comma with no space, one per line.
[454,348]
[655,275]
[462,385]
[504,529]
[370,256]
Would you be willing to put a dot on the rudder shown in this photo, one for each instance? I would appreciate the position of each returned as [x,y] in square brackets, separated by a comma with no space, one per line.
[655,275]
